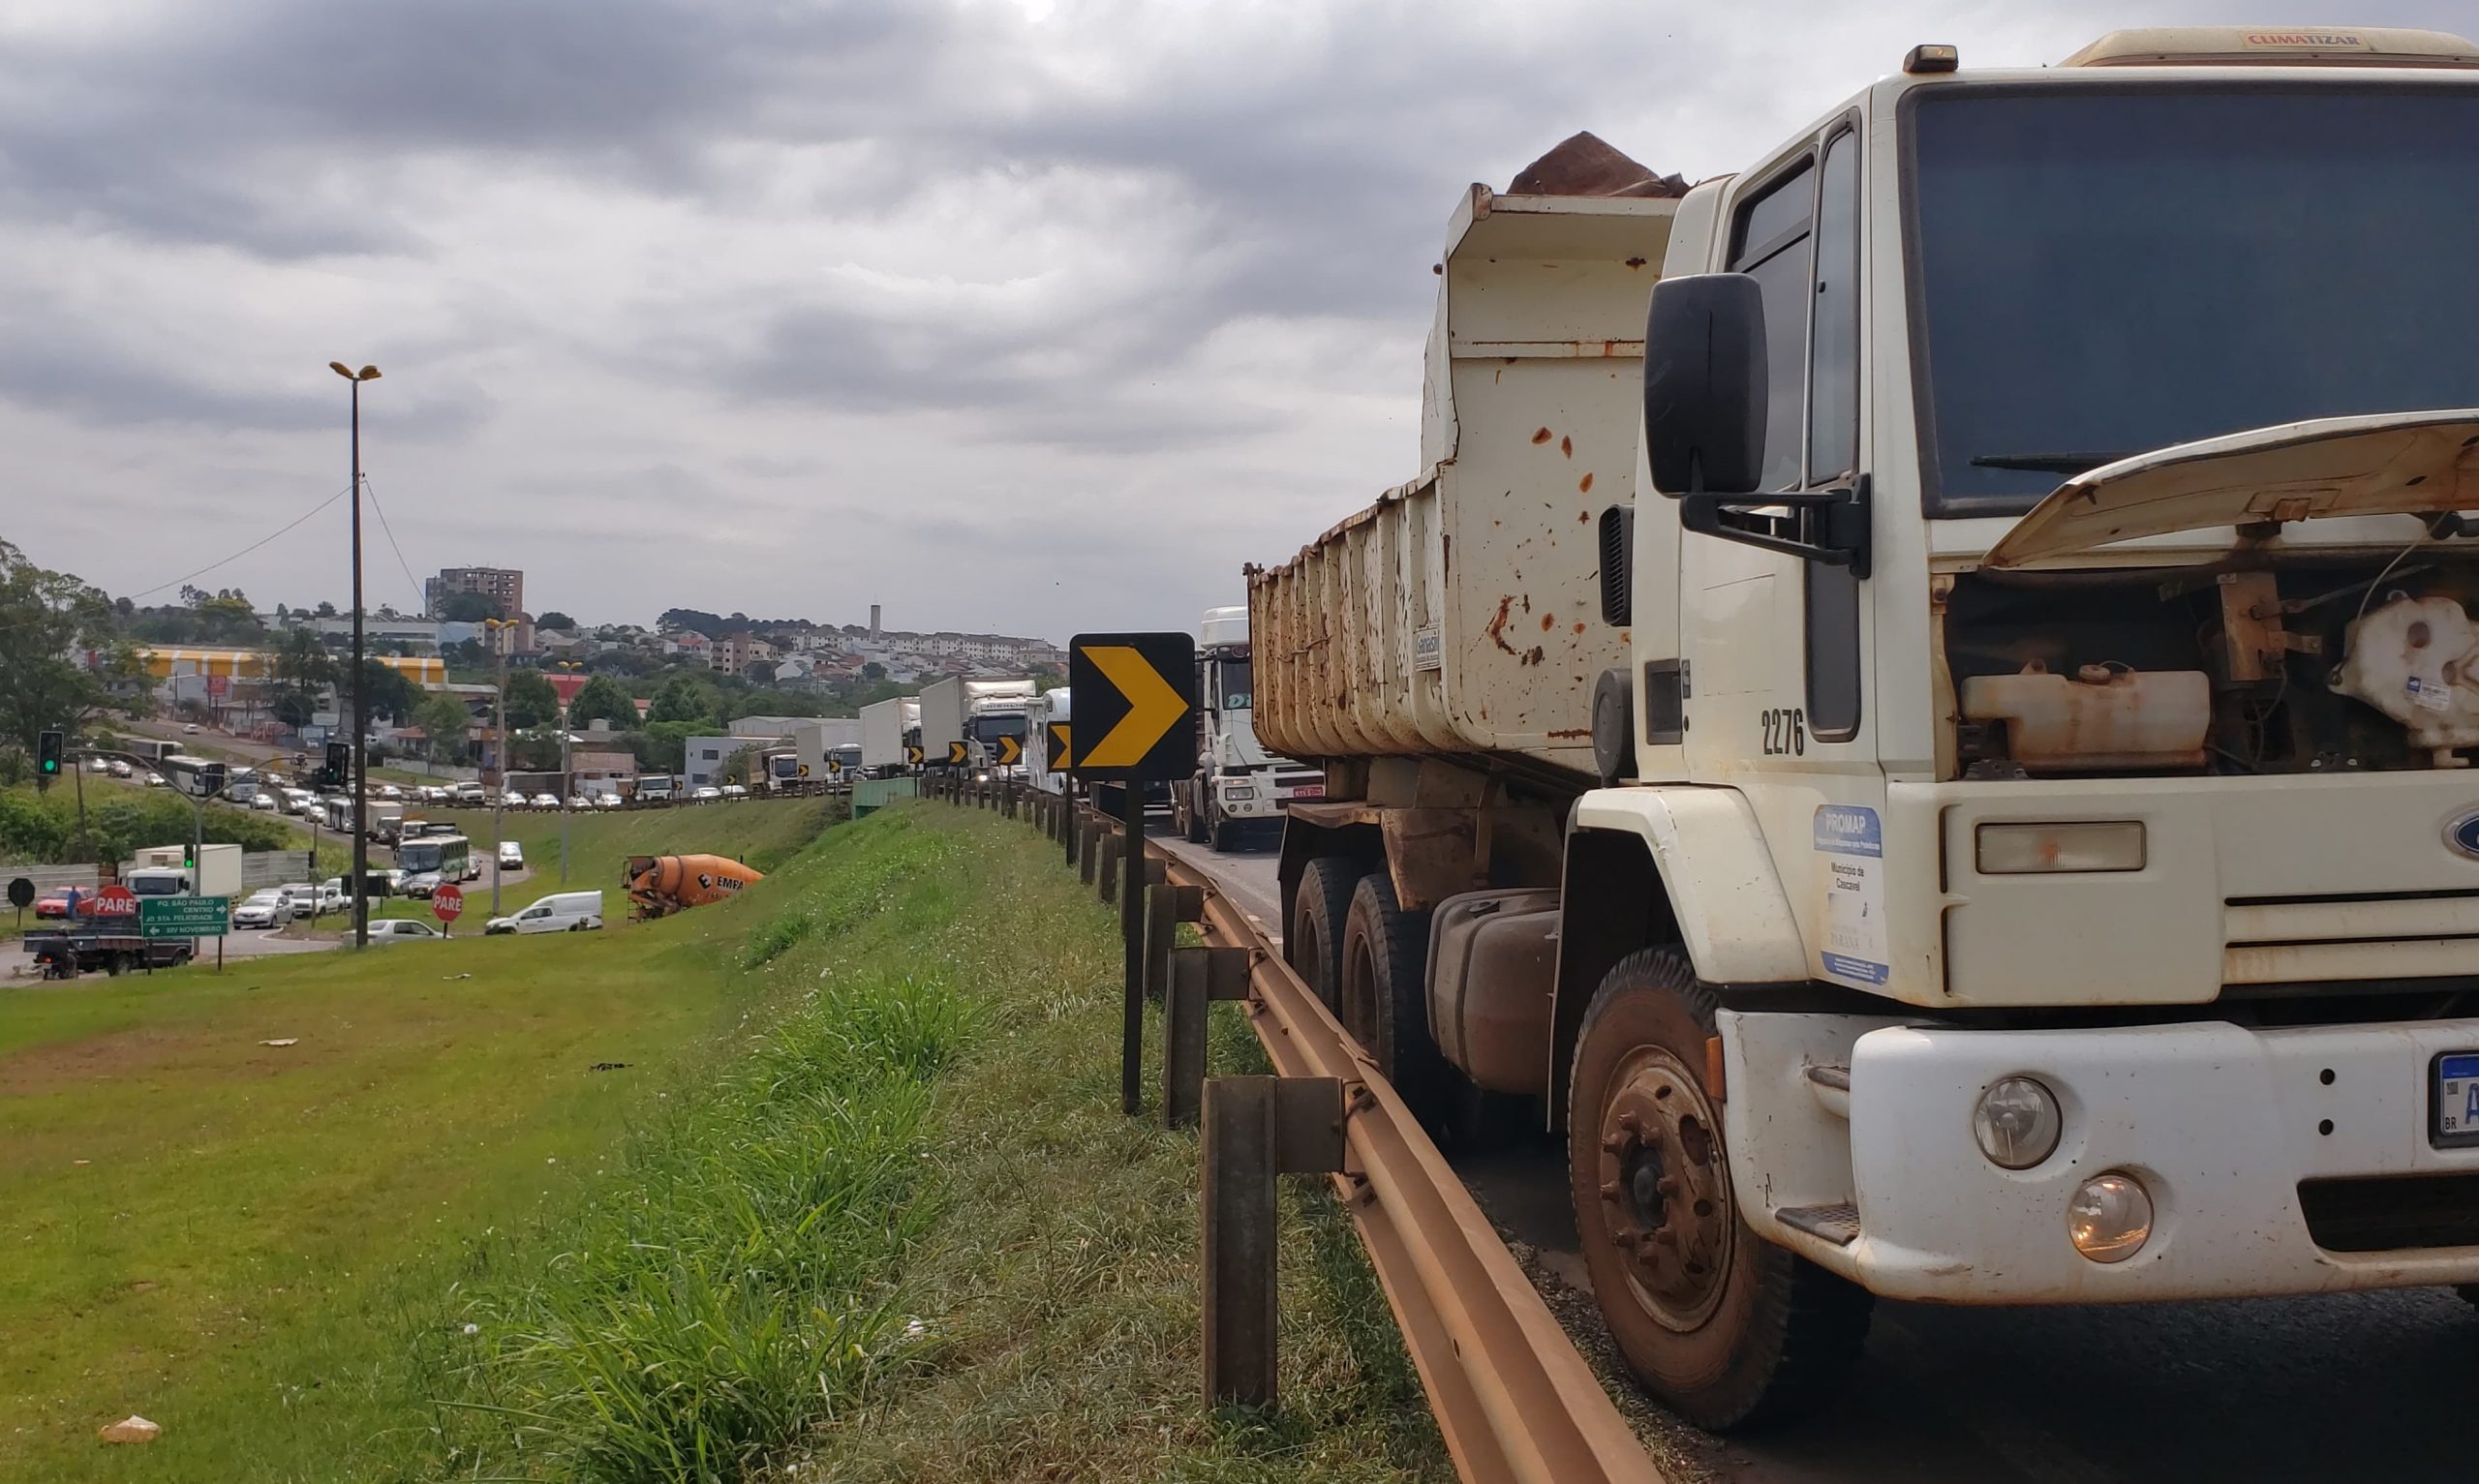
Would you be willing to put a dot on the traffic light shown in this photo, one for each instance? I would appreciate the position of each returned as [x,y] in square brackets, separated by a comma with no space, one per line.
[48,749]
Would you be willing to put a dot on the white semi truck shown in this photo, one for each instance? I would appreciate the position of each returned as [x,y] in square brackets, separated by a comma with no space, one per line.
[1934,740]
[160,870]
[1238,787]
[987,717]
[889,731]
[1044,769]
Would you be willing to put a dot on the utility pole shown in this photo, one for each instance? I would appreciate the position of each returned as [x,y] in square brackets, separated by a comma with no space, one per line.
[497,628]
[360,683]
[567,774]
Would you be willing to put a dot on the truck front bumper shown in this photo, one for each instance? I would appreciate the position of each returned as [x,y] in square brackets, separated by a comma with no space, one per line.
[2276,1161]
[1244,802]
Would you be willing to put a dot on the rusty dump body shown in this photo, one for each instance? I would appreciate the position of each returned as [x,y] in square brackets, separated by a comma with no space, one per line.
[661,885]
[1460,614]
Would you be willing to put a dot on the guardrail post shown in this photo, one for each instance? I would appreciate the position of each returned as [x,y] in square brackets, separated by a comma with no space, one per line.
[1109,886]
[1161,934]
[1255,1129]
[1088,850]
[1198,976]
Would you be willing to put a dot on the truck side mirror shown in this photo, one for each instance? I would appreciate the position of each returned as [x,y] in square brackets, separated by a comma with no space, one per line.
[1705,393]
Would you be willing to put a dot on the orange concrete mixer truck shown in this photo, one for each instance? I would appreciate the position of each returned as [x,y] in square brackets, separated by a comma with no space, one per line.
[661,885]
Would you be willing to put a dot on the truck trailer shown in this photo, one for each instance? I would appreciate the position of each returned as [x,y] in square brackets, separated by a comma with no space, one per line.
[1920,704]
[889,729]
[1238,788]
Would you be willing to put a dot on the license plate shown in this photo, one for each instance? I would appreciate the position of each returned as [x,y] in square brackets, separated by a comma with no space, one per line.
[1307,791]
[2453,1099]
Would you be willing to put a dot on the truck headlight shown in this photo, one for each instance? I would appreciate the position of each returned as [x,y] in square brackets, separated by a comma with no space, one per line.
[2110,1219]
[2018,1123]
[2081,845]
[1239,793]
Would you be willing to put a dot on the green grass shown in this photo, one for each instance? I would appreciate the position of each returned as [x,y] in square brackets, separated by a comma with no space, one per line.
[234,1240]
[858,1201]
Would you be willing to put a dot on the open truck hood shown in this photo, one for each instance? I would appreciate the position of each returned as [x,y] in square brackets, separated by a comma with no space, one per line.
[2391,464]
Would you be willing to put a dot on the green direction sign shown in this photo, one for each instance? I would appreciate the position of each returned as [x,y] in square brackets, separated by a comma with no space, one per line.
[184,917]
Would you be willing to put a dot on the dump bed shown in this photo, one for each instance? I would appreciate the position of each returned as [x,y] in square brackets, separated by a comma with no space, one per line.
[1461,613]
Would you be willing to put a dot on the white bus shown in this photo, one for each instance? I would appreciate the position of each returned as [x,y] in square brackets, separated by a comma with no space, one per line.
[451,855]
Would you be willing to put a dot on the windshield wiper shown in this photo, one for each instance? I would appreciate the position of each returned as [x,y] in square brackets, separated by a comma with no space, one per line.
[2052,463]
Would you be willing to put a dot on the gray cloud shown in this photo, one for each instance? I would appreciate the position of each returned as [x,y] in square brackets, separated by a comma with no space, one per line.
[1010,315]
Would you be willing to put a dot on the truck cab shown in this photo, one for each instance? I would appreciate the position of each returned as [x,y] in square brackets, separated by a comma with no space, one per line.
[2030,853]
[1239,789]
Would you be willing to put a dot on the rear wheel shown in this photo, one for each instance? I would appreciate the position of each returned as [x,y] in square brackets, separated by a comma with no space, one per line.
[1385,992]
[1726,1328]
[1313,942]
[1189,804]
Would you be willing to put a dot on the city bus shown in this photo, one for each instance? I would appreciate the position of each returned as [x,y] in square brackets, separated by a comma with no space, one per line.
[451,855]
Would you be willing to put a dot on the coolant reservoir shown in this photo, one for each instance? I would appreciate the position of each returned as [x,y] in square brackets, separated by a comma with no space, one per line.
[2413,660]
[2104,719]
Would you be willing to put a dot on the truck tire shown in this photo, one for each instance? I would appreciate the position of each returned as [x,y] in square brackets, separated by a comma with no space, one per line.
[1725,1328]
[1224,836]
[1385,992]
[1191,812]
[1313,942]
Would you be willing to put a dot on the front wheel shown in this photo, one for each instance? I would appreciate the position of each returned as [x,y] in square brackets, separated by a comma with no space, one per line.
[1724,1327]
[1188,808]
[1313,940]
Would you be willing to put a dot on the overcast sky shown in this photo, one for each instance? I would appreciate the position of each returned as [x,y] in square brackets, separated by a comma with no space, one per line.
[1008,315]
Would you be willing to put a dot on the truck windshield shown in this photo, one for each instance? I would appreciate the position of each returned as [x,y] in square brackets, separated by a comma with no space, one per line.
[1236,689]
[2106,271]
[158,886]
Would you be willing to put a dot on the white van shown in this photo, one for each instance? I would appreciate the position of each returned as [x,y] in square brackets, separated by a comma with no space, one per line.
[560,912]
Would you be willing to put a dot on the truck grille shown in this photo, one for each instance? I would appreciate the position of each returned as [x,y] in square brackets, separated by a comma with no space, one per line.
[2272,940]
[2392,1213]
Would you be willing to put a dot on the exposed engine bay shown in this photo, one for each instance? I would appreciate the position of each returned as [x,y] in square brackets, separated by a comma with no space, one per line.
[2267,662]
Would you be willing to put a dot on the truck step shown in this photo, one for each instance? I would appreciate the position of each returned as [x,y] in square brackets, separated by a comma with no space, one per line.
[1838,1225]
[1830,1082]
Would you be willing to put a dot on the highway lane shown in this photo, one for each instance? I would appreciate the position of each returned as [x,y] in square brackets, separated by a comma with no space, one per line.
[2347,1386]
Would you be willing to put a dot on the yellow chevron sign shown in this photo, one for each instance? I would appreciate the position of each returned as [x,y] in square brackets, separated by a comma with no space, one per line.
[1136,698]
[957,755]
[912,755]
[1011,749]
[1058,753]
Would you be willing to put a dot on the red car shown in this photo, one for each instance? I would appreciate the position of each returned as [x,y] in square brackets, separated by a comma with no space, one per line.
[54,903]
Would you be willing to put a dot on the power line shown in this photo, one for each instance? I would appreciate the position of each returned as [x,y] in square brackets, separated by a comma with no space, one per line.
[235,556]
[418,604]
[244,551]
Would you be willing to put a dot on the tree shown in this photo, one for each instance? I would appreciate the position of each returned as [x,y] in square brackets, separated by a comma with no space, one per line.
[325,610]
[531,700]
[448,721]
[663,746]
[45,616]
[682,699]
[556,619]
[602,699]
[302,668]
[758,672]
[874,671]
[386,693]
[466,608]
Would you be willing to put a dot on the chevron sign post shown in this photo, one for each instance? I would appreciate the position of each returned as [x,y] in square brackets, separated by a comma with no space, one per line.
[1136,709]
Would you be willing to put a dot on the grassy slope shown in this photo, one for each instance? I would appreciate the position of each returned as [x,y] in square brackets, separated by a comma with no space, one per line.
[200,1225]
[1059,1287]
[261,1232]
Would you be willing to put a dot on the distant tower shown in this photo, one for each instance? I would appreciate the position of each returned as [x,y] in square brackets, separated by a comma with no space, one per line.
[874,620]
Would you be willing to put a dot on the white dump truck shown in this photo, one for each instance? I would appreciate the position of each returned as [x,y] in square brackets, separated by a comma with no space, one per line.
[1238,788]
[1934,740]
[889,732]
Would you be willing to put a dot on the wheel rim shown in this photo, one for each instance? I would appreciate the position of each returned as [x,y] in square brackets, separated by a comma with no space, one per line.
[1665,1188]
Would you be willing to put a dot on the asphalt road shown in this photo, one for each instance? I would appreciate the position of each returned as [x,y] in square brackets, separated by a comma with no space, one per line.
[2366,1386]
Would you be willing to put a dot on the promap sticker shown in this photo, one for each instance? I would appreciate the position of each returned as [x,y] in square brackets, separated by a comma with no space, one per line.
[1850,845]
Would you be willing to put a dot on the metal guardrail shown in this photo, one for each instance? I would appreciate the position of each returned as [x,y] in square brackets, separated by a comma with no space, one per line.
[1514,1399]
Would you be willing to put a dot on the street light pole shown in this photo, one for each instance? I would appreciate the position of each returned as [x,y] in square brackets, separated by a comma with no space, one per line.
[360,683]
[497,628]
[568,776]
